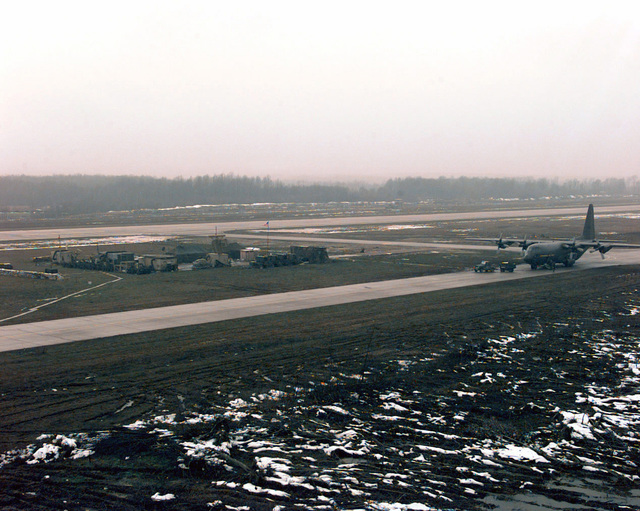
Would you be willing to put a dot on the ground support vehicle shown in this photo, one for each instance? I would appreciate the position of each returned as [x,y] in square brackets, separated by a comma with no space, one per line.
[484,267]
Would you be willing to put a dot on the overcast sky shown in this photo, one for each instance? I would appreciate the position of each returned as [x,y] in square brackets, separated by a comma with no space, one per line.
[311,90]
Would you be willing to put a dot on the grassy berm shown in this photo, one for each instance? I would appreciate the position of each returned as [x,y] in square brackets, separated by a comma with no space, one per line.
[524,391]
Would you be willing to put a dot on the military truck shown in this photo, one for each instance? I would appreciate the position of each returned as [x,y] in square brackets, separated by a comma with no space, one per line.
[484,267]
[507,266]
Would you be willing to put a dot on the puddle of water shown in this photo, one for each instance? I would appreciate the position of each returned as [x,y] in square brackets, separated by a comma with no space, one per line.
[589,496]
[529,503]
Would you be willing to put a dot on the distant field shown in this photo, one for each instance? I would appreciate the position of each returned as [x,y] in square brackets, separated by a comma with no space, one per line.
[619,226]
[274,211]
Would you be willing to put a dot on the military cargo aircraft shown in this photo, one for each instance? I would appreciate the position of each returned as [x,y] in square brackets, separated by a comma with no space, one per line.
[549,253]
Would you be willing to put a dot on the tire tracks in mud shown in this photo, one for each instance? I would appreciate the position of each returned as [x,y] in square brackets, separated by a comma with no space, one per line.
[200,362]
[270,352]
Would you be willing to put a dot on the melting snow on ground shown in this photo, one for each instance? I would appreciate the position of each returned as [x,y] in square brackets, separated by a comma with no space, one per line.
[433,449]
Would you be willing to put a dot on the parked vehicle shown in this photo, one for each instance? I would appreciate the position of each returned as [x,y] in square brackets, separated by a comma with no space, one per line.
[484,267]
[507,266]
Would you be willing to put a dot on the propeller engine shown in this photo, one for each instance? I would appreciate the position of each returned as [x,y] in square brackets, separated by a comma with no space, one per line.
[571,245]
[603,249]
[524,245]
[500,243]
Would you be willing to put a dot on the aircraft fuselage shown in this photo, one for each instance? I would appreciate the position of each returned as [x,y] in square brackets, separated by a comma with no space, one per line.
[559,252]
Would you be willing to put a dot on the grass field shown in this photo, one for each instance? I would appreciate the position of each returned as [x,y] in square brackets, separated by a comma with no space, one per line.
[159,289]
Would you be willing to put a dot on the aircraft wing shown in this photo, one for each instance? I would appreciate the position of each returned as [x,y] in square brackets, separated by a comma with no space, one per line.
[604,246]
[508,242]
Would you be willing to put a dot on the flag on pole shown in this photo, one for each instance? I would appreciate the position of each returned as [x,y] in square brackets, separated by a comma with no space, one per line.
[268,229]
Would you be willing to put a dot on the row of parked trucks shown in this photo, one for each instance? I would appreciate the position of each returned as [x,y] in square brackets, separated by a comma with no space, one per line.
[128,262]
[115,260]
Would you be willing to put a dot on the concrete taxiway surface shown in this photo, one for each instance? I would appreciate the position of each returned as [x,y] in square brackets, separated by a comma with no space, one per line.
[29,335]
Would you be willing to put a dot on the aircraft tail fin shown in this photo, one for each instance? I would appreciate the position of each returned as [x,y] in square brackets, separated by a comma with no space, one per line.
[589,230]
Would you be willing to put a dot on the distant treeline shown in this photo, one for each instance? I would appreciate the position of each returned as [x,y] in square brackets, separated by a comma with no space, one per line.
[74,194]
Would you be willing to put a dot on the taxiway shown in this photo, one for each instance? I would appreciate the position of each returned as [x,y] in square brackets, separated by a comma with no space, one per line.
[44,333]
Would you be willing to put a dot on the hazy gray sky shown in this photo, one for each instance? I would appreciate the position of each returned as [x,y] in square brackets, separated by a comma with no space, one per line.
[321,90]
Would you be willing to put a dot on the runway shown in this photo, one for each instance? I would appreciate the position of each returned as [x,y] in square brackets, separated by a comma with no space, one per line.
[206,229]
[418,245]
[30,335]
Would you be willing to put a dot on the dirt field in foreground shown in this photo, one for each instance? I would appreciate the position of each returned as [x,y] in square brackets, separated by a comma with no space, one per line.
[452,400]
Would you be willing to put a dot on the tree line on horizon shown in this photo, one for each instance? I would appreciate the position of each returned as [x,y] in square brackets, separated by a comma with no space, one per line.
[80,194]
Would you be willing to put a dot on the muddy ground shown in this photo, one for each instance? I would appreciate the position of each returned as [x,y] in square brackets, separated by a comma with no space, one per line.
[452,400]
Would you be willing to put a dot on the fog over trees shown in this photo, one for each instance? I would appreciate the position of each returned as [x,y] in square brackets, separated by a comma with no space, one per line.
[73,194]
